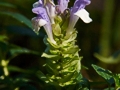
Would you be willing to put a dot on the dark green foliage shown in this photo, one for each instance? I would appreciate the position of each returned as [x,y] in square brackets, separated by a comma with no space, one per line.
[109,77]
[106,74]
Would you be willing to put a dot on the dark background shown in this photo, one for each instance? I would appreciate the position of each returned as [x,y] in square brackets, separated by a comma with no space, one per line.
[101,36]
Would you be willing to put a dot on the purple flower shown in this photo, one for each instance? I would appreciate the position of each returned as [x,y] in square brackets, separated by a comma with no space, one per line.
[62,5]
[46,11]
[50,7]
[42,19]
[80,4]
[78,11]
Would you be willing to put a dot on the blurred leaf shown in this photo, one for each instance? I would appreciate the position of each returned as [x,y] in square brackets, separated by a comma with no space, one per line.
[117,80]
[5,4]
[17,69]
[119,75]
[22,50]
[83,84]
[5,80]
[28,87]
[3,47]
[97,83]
[19,17]
[23,31]
[3,37]
[106,74]
[13,50]
[41,76]
[21,81]
[84,67]
[1,71]
[117,28]
[112,88]
[113,59]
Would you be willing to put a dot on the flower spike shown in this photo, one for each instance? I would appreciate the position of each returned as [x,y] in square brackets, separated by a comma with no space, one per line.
[62,54]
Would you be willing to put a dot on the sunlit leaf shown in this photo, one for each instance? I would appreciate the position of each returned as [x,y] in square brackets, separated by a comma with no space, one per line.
[117,80]
[19,17]
[106,74]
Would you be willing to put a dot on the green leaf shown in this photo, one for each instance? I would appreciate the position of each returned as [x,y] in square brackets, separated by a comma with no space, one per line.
[15,51]
[17,69]
[23,84]
[106,74]
[3,37]
[21,30]
[56,29]
[41,76]
[117,80]
[112,88]
[28,87]
[83,84]
[3,47]
[19,17]
[48,56]
[5,4]
[22,50]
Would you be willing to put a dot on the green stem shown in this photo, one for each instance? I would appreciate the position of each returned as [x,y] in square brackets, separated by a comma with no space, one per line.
[117,28]
[105,37]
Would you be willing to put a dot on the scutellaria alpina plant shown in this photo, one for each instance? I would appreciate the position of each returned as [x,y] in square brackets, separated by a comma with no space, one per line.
[62,59]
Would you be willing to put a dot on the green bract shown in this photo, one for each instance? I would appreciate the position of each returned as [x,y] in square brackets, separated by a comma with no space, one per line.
[63,61]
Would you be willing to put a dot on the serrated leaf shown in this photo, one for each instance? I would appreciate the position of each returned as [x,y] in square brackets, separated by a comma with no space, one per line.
[117,80]
[106,74]
[19,17]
